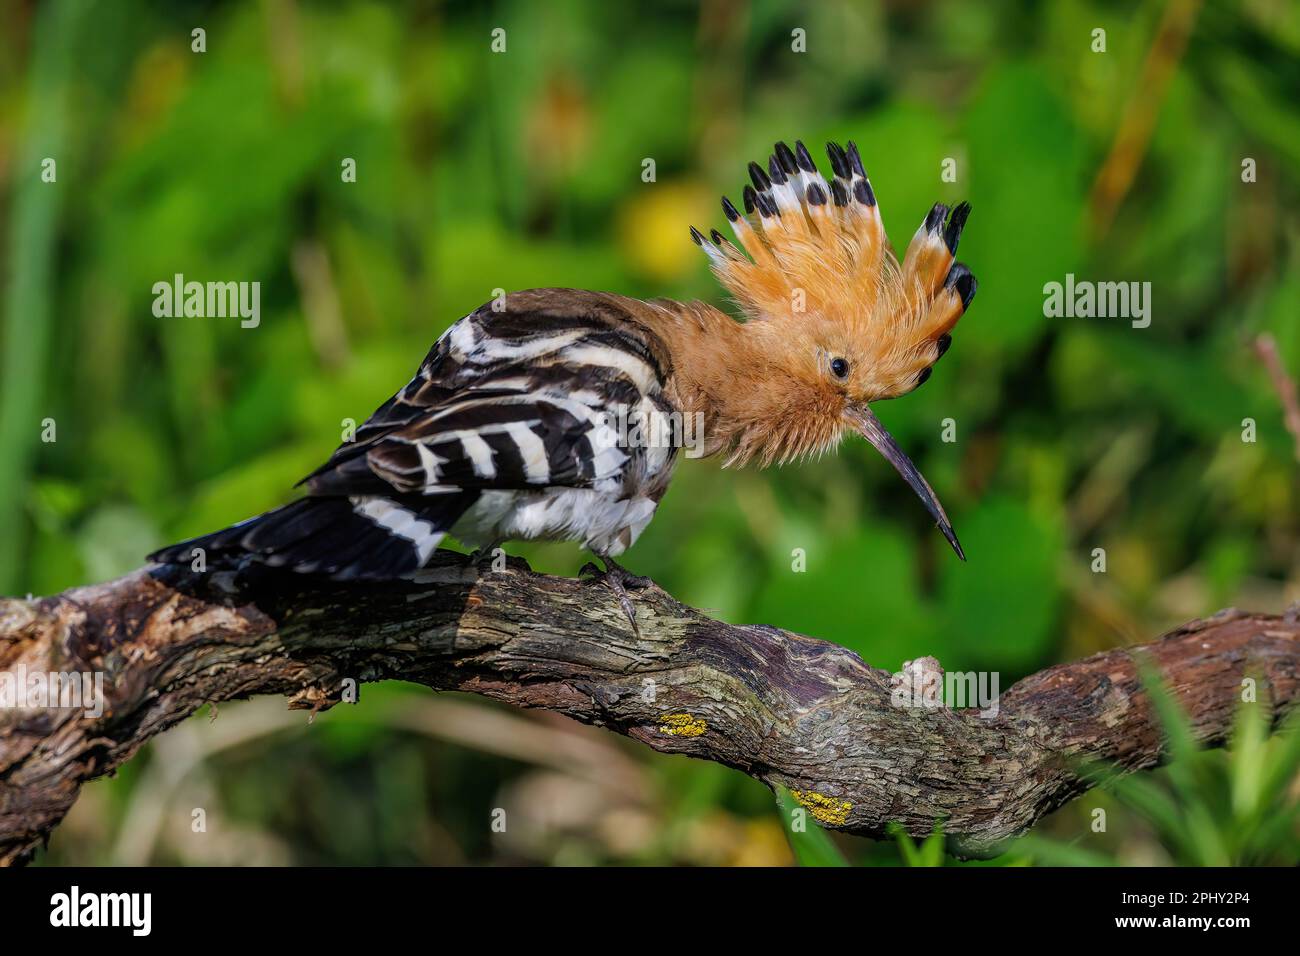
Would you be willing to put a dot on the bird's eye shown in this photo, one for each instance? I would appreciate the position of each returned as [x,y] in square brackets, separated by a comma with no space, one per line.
[840,368]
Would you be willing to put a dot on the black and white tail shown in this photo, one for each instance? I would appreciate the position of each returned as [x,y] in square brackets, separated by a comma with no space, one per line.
[344,538]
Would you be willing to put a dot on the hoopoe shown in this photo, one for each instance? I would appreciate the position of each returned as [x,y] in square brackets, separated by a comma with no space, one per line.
[511,428]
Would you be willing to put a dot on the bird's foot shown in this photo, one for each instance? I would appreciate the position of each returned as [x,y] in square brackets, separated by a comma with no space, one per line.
[618,579]
[485,559]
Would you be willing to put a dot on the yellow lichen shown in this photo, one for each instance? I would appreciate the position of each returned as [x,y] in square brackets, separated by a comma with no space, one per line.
[682,725]
[823,808]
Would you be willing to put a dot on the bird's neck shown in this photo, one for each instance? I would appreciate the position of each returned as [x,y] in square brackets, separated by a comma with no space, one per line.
[730,373]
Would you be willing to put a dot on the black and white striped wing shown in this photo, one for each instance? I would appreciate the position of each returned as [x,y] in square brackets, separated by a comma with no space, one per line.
[526,399]
[475,442]
[518,399]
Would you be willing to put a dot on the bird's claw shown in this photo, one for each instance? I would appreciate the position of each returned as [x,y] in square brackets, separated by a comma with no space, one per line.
[618,580]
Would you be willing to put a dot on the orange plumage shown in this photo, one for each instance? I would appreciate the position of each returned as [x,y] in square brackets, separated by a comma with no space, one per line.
[833,321]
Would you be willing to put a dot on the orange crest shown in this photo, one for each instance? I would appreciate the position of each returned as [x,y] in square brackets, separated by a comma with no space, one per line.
[816,257]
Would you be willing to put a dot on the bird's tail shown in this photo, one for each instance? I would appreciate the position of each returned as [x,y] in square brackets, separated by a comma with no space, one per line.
[353,538]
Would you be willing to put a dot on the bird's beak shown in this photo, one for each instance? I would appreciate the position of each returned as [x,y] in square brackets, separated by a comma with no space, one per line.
[866,422]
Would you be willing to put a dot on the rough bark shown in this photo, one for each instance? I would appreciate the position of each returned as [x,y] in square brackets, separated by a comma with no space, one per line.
[786,709]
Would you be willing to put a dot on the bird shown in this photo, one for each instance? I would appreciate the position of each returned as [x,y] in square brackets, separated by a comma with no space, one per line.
[531,417]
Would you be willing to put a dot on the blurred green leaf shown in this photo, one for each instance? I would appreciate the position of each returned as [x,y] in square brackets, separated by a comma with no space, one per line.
[1026,192]
[1002,601]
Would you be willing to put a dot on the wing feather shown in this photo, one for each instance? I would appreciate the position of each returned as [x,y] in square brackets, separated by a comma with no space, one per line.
[526,398]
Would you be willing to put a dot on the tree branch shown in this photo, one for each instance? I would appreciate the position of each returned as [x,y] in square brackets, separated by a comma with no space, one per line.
[786,709]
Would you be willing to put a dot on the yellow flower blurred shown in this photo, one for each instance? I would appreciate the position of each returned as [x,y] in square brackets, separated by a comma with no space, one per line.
[654,228]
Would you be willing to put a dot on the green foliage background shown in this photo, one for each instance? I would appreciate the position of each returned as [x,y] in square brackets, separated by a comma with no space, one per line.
[479,170]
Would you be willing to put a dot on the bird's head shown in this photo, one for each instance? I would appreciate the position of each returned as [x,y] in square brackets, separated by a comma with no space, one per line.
[834,322]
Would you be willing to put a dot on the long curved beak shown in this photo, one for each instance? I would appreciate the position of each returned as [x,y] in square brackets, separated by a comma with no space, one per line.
[865,420]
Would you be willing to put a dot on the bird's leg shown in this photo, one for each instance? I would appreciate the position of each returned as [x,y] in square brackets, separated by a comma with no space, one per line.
[483,557]
[618,579]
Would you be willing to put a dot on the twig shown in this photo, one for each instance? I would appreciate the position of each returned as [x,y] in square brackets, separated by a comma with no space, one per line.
[1116,175]
[1266,349]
